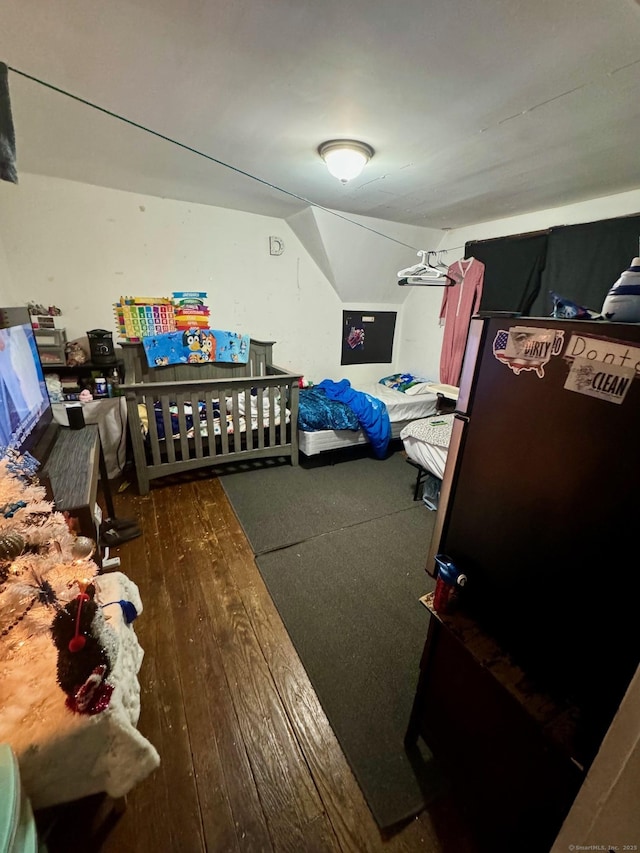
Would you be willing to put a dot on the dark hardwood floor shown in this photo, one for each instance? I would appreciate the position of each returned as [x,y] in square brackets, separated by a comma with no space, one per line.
[248,759]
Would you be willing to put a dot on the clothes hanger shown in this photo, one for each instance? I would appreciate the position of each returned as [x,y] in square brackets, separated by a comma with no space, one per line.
[424,273]
[416,268]
[424,269]
[430,274]
[439,263]
[445,269]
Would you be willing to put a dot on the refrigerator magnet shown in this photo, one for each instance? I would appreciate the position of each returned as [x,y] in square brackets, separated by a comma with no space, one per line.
[527,347]
[599,379]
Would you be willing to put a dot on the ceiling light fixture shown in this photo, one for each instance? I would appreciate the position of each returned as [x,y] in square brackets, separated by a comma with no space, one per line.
[345,158]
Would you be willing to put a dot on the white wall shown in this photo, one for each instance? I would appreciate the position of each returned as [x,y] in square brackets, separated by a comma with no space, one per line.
[6,283]
[82,247]
[605,813]
[422,335]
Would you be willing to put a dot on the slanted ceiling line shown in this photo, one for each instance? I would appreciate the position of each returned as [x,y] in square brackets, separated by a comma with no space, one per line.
[185,147]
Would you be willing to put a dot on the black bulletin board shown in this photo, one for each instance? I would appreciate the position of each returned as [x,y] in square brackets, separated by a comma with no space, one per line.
[367,337]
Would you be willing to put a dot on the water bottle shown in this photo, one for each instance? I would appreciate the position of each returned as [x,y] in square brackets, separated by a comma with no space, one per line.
[448,580]
[113,383]
[100,386]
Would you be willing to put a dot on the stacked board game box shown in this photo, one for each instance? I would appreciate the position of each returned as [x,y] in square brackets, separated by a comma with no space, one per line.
[141,316]
[191,312]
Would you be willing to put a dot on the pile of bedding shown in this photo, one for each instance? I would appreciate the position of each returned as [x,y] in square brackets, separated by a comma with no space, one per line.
[221,417]
[318,411]
[351,409]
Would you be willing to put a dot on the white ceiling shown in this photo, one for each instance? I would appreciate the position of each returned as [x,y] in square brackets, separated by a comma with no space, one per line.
[476,110]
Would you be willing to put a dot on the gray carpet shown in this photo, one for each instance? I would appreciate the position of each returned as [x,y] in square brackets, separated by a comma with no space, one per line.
[348,594]
[280,505]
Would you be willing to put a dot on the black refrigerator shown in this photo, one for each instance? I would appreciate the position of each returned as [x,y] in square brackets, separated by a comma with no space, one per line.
[540,502]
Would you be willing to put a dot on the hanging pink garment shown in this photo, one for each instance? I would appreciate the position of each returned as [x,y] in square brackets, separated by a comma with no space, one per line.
[459,302]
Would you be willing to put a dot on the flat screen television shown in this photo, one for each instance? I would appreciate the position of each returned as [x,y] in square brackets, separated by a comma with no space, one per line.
[26,417]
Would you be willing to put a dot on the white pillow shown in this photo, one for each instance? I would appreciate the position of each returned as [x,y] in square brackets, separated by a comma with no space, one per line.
[421,388]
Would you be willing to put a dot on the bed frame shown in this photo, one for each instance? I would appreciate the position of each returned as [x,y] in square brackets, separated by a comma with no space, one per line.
[189,383]
[319,441]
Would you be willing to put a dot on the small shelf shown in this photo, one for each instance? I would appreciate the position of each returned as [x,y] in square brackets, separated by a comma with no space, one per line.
[559,720]
[51,357]
[84,370]
[51,345]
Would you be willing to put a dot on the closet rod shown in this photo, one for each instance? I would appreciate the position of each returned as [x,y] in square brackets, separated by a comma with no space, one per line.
[439,251]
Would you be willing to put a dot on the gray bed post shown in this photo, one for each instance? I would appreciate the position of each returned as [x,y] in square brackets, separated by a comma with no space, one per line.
[293,407]
[137,443]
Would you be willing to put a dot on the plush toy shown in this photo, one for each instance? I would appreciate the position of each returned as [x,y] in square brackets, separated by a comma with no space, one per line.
[75,354]
[54,388]
[567,309]
[85,653]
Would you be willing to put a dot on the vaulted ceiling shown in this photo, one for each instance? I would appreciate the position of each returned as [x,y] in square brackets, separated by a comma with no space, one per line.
[476,110]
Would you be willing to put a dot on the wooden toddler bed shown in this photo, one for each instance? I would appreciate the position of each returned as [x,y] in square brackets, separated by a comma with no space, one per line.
[188,416]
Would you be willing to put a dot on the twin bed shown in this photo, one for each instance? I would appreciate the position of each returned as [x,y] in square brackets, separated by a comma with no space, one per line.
[189,416]
[402,408]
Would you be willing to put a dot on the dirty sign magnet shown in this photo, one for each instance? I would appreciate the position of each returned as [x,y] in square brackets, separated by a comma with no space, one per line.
[527,347]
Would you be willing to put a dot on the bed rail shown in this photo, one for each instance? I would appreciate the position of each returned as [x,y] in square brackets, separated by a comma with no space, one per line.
[247,423]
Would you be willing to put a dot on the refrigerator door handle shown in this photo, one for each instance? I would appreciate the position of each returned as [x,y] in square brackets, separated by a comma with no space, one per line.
[451,466]
[470,365]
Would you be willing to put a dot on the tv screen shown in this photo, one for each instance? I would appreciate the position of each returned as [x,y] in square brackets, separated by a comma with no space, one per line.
[25,411]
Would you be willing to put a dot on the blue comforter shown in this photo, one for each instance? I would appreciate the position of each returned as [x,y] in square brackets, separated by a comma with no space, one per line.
[371,413]
[316,411]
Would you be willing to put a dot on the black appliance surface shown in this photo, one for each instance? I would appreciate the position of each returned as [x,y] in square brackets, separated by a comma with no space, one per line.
[101,347]
[542,503]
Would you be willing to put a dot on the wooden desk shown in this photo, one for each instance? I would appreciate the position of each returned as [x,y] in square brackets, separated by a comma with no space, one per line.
[506,748]
[110,414]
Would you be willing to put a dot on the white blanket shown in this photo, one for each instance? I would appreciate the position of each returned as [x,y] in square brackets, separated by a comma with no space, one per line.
[435,431]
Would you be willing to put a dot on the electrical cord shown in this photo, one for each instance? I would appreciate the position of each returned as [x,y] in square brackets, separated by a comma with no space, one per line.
[201,153]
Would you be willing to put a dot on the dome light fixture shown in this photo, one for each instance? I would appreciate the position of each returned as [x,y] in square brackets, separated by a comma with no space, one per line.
[345,158]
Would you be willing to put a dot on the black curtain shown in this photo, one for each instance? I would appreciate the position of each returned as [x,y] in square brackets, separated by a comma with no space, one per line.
[513,270]
[577,262]
[583,261]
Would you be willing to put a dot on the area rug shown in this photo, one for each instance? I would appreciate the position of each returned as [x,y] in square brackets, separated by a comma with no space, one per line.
[279,505]
[348,594]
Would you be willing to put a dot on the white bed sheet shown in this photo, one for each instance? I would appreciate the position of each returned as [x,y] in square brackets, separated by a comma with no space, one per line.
[402,407]
[428,456]
[426,442]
